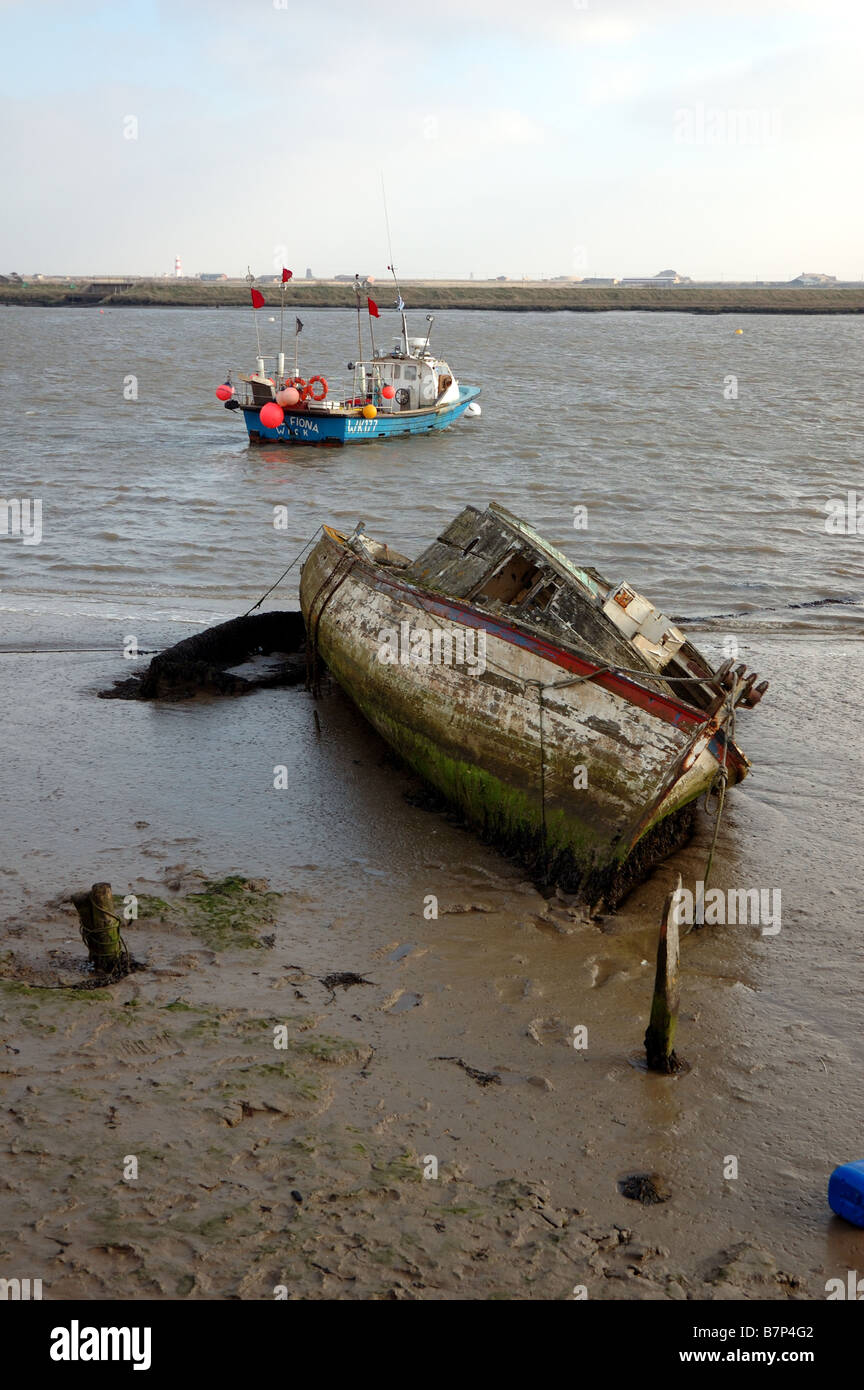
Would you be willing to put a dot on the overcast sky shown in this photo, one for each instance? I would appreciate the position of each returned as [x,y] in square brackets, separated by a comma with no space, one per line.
[516,137]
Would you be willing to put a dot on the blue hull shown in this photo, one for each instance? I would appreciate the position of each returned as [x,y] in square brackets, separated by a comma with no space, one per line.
[311,427]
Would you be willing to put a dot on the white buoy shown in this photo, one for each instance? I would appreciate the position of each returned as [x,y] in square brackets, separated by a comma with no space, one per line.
[472,408]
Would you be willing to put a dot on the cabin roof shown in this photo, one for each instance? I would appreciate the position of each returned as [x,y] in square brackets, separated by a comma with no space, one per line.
[495,561]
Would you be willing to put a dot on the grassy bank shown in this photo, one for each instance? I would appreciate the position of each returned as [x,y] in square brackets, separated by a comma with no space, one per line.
[515,298]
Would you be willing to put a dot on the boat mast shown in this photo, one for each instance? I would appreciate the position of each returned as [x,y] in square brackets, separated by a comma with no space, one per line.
[251,281]
[280,360]
[358,365]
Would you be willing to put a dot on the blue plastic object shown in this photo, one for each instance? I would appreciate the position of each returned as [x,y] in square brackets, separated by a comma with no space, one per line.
[846,1192]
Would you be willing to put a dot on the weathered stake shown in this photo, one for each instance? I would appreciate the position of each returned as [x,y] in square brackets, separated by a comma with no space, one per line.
[660,1034]
[100,928]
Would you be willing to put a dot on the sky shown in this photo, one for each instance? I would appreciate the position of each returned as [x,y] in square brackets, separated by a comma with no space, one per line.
[536,139]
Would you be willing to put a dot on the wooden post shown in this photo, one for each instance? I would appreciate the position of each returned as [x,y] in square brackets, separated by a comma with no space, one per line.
[100,928]
[660,1034]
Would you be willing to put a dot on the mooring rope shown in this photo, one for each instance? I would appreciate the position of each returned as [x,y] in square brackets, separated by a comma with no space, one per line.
[336,578]
[67,651]
[119,973]
[297,557]
[544,842]
[721,778]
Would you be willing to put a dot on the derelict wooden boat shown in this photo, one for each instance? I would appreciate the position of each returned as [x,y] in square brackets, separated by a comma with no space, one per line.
[565,717]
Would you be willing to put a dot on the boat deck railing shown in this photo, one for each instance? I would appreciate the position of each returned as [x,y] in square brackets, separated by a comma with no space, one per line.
[366,389]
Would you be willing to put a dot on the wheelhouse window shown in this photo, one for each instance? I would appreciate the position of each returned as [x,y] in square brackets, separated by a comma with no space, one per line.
[510,583]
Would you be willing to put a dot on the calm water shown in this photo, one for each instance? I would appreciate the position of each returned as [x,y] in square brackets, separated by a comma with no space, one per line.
[709,505]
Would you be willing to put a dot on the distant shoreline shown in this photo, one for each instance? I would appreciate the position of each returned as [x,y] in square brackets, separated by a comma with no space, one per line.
[504,298]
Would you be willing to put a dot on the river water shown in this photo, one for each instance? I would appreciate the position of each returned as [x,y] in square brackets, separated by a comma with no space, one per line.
[709,504]
[705,461]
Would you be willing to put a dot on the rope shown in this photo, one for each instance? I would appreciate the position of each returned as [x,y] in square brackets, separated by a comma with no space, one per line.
[628,671]
[543,841]
[297,557]
[65,651]
[338,575]
[721,777]
[125,968]
[122,969]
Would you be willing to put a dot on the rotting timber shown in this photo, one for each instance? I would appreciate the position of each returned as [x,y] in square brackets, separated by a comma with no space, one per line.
[203,663]
[593,726]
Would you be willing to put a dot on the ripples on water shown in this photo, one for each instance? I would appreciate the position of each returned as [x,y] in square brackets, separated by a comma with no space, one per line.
[708,505]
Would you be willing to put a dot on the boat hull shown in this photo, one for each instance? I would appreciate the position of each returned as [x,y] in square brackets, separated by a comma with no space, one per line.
[590,783]
[351,427]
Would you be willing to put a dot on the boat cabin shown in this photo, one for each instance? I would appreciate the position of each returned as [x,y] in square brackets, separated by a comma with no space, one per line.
[419,379]
[494,561]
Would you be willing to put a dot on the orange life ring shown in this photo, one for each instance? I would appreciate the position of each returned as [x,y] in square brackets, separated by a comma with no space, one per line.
[299,384]
[322,381]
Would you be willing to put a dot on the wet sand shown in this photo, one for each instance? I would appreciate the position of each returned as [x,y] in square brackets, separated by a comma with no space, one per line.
[303,1167]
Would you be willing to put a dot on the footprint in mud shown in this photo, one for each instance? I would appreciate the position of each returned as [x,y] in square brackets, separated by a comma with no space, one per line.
[548,1030]
[513,989]
[193,960]
[554,926]
[600,972]
[407,948]
[400,1001]
[408,1000]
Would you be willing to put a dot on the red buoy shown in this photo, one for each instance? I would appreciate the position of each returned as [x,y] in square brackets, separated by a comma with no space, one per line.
[271,415]
[224,393]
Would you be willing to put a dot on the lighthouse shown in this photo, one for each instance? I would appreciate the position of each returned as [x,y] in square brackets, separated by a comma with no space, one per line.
[178,269]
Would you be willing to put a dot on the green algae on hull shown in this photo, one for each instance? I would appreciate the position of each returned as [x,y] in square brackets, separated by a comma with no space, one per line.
[506,741]
[564,849]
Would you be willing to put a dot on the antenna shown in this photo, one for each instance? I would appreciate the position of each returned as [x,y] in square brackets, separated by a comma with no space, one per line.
[400,303]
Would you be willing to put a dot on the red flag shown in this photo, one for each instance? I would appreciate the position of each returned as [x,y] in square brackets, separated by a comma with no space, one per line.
[373,308]
[258,300]
[286,275]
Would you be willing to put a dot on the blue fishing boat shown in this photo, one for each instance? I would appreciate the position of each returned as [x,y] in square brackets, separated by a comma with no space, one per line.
[408,390]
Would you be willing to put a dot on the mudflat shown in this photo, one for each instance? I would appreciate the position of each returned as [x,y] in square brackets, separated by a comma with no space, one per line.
[347,1067]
